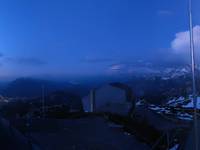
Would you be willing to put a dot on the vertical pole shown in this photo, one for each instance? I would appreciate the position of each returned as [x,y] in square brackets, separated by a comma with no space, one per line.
[192,53]
[92,100]
[43,102]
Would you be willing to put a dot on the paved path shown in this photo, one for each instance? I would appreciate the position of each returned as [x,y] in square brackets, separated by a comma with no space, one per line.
[11,139]
[91,133]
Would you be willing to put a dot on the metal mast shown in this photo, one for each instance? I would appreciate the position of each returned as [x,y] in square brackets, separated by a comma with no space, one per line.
[43,101]
[192,53]
[92,100]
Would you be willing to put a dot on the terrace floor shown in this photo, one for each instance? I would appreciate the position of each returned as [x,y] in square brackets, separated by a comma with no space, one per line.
[90,133]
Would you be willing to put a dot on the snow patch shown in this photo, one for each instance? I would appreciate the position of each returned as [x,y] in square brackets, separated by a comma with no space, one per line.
[191,104]
[185,116]
[140,103]
[175,147]
[183,102]
[167,111]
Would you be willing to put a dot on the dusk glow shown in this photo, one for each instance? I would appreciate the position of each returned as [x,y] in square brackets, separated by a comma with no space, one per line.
[77,38]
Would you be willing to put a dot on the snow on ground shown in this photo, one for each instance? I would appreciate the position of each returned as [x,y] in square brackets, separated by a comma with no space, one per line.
[167,111]
[183,102]
[175,147]
[185,116]
[176,101]
[191,104]
[139,103]
[168,108]
[159,109]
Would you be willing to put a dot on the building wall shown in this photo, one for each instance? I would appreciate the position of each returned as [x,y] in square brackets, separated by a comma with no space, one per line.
[108,98]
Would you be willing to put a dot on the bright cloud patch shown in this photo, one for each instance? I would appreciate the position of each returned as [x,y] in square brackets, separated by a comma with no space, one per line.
[116,67]
[181,43]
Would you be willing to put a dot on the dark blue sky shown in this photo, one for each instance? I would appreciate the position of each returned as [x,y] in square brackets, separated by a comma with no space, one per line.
[90,37]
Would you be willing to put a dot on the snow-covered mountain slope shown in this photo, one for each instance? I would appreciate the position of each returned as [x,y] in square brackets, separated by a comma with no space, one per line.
[148,69]
[169,73]
[169,110]
[181,108]
[184,102]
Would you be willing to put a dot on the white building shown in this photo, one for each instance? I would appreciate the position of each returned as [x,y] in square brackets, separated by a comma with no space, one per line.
[114,98]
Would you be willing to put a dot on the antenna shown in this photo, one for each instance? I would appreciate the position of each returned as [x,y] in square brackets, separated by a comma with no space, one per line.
[92,100]
[43,101]
[192,53]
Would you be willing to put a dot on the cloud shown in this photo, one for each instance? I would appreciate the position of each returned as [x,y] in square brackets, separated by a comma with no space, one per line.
[116,67]
[26,61]
[132,68]
[96,60]
[181,43]
[164,12]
